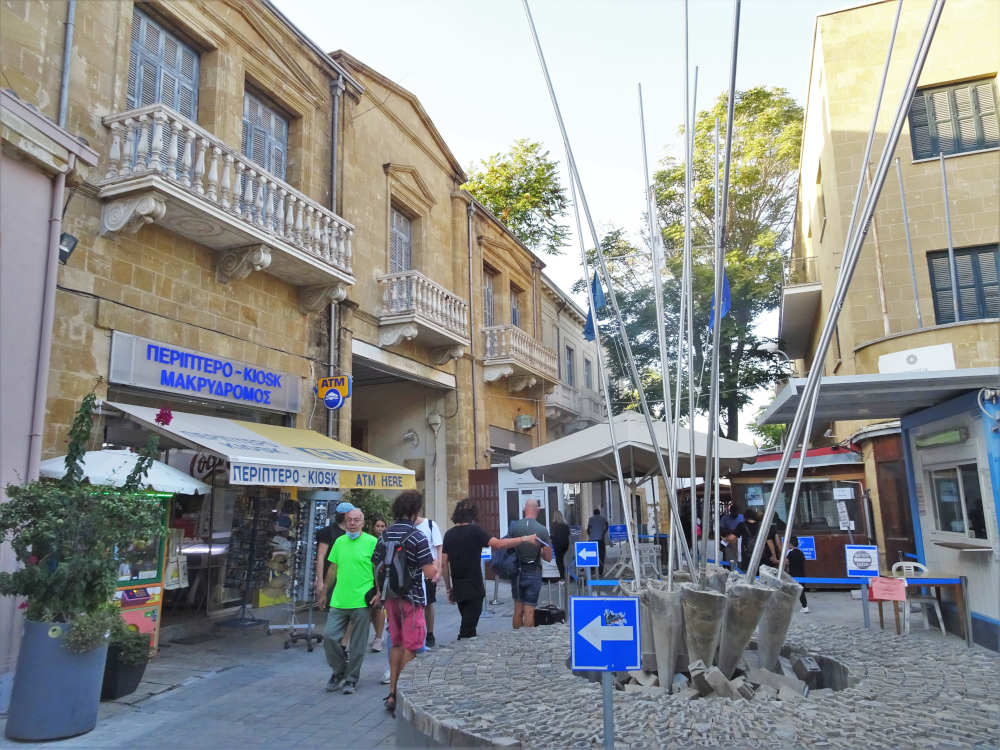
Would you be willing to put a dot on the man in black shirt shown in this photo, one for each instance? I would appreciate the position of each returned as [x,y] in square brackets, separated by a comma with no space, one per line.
[795,562]
[460,563]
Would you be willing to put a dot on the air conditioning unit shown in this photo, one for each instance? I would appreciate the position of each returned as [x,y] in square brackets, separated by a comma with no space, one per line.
[524,422]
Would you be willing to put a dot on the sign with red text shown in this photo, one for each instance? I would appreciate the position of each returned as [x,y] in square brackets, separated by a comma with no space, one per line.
[888,589]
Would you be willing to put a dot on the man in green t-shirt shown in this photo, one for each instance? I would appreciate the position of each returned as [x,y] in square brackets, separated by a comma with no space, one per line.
[350,578]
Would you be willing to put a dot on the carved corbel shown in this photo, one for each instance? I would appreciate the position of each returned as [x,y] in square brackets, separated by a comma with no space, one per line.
[236,265]
[492,373]
[315,298]
[521,382]
[129,214]
[443,354]
[394,334]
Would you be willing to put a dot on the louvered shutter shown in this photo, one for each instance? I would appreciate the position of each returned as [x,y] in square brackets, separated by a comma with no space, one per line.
[986,106]
[942,126]
[920,130]
[944,311]
[487,299]
[978,274]
[399,243]
[968,297]
[265,143]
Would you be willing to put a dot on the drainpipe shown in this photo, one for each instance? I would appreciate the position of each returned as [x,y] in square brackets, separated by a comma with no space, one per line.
[336,89]
[44,351]
[67,53]
[469,211]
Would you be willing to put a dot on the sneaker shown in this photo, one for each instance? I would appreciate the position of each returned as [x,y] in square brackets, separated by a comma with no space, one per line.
[335,683]
[377,643]
[349,687]
[429,640]
[805,610]
[386,678]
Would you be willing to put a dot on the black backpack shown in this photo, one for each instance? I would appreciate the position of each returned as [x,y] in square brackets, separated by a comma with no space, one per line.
[394,573]
[505,562]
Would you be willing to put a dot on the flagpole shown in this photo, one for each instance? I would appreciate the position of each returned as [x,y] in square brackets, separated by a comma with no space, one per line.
[715,435]
[655,241]
[721,242]
[612,296]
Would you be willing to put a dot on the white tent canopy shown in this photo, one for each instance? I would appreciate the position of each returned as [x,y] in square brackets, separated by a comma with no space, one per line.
[112,467]
[587,456]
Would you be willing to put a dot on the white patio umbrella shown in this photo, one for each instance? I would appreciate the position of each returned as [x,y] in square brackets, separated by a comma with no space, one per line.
[113,467]
[586,456]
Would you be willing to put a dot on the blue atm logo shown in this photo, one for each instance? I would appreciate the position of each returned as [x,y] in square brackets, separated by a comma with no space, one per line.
[605,633]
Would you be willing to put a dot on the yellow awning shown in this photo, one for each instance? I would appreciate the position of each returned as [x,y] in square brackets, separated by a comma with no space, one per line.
[261,454]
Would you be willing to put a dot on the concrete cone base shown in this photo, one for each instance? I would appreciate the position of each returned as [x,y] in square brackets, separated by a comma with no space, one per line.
[703,611]
[715,578]
[667,624]
[745,603]
[777,615]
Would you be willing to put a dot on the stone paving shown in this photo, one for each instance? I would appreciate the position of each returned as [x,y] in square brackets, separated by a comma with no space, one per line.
[513,689]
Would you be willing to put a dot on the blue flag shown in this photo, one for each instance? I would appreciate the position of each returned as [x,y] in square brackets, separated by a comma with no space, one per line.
[599,302]
[727,301]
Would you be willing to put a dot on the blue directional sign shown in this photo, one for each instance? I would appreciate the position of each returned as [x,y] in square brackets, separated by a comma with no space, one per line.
[587,555]
[617,533]
[605,633]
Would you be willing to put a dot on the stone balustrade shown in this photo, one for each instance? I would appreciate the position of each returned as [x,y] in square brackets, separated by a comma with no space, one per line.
[157,141]
[411,294]
[513,345]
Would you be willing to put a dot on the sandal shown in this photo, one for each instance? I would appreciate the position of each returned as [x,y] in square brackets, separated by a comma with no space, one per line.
[390,703]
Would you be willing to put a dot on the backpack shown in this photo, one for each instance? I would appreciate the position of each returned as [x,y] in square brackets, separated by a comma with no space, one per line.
[505,562]
[395,580]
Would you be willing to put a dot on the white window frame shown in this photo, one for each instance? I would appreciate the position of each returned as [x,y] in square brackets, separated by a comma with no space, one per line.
[489,298]
[400,241]
[956,467]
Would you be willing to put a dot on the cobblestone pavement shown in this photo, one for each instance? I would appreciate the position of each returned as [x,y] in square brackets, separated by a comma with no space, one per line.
[244,690]
[923,690]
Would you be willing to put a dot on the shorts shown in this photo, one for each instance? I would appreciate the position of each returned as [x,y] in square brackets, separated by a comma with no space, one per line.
[526,586]
[406,624]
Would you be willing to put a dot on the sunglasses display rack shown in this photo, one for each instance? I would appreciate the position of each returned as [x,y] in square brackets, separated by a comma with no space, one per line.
[303,574]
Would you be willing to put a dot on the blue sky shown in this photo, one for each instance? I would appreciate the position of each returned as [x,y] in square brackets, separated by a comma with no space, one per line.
[474,68]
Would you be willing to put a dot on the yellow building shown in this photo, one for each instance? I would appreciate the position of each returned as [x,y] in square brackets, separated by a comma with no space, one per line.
[903,315]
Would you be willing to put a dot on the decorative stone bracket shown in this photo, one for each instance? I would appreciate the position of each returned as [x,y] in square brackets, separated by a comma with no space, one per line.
[236,265]
[128,215]
[492,373]
[393,334]
[521,382]
[315,298]
[443,354]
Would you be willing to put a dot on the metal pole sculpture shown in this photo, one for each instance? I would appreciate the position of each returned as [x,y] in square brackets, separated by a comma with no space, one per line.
[852,252]
[909,244]
[603,269]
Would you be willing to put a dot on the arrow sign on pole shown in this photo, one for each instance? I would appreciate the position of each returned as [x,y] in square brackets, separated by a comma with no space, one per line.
[605,633]
[586,555]
[596,634]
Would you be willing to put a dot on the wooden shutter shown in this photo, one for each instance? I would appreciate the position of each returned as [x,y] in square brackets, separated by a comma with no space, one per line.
[487,298]
[920,130]
[937,264]
[265,135]
[161,68]
[399,243]
[985,99]
[978,274]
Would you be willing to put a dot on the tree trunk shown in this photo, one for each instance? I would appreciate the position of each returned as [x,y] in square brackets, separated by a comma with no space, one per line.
[732,417]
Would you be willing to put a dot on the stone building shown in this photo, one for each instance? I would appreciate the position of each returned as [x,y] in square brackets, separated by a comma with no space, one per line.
[907,338]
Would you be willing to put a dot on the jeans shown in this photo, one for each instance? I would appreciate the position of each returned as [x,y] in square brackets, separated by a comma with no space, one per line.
[526,586]
[470,610]
[336,626]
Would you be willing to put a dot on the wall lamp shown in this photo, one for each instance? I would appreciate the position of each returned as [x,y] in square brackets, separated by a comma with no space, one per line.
[67,244]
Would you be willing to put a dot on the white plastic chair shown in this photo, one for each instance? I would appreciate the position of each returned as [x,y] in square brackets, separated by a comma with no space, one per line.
[912,571]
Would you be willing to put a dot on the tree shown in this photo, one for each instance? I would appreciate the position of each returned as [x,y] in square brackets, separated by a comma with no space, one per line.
[522,188]
[771,435]
[767,139]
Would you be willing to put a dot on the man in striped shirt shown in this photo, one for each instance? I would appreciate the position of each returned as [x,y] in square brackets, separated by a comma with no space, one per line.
[405,613]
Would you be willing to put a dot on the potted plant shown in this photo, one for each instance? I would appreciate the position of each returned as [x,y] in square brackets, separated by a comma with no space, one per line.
[128,654]
[70,538]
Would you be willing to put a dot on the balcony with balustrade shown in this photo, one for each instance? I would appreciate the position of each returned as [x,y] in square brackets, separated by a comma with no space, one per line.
[163,168]
[568,409]
[510,352]
[416,308]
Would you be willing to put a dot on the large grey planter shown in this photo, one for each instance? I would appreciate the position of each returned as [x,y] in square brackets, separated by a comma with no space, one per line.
[56,694]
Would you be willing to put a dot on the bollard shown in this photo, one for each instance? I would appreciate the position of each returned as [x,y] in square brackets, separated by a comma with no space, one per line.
[744,606]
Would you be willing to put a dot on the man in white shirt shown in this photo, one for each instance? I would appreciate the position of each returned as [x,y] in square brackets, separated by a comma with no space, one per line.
[435,539]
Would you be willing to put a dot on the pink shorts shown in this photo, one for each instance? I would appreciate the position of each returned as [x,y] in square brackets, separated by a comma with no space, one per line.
[407,627]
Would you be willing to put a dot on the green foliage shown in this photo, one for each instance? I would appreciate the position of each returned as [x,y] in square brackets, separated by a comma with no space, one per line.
[767,139]
[522,189]
[91,628]
[133,646]
[771,435]
[70,537]
[372,504]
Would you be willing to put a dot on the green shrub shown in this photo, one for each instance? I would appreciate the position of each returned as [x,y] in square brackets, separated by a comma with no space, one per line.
[372,504]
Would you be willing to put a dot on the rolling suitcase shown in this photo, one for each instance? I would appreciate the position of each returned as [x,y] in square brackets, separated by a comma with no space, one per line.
[549,613]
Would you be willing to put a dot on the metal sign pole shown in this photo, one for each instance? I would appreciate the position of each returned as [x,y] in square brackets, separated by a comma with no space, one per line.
[607,689]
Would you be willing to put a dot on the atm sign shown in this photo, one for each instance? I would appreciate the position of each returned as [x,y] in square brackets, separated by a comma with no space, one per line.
[339,383]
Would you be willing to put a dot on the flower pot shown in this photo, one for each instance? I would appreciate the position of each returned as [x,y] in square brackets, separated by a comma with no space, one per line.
[55,694]
[120,679]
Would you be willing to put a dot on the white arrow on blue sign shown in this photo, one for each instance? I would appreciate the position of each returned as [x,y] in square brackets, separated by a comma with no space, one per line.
[587,555]
[605,633]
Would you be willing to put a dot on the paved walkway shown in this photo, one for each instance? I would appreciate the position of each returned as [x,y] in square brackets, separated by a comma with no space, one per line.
[245,689]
